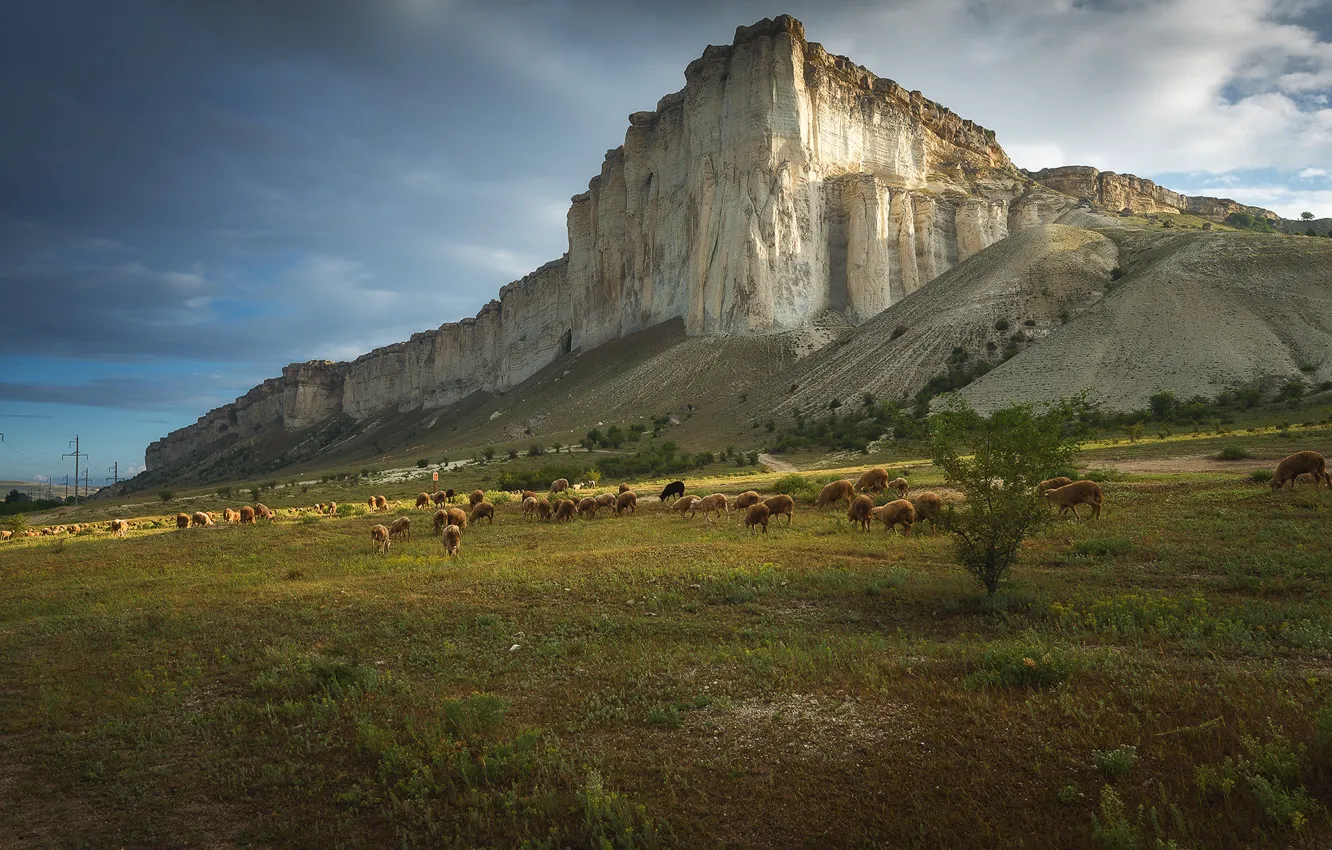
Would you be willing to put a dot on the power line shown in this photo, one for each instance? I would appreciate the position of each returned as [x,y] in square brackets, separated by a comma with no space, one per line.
[76,454]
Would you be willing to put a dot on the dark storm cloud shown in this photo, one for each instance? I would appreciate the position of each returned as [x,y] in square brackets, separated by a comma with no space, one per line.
[119,393]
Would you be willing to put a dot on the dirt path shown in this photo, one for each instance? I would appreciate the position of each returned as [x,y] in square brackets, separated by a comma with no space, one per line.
[774,464]
[1184,463]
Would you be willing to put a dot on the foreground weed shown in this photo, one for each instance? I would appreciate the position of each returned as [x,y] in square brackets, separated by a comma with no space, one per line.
[1117,762]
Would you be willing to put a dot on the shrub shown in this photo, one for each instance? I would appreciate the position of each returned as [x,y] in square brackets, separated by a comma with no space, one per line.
[422,463]
[513,453]
[1001,325]
[1260,476]
[1117,762]
[18,524]
[1101,547]
[796,486]
[997,461]
[1233,452]
[1116,273]
[488,452]
[1018,664]
[166,495]
[535,450]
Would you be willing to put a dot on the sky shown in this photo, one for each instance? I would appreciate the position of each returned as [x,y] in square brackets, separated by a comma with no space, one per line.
[195,193]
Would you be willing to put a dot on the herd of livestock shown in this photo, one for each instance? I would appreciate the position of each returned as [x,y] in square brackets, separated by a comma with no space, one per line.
[562,505]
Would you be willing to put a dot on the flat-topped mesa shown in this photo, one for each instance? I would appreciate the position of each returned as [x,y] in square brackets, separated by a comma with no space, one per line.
[781,182]
[1136,194]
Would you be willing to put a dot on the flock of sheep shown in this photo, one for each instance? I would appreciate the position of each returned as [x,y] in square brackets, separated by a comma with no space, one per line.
[449,522]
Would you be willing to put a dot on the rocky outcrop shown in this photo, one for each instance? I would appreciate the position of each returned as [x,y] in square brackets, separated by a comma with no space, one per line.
[1137,194]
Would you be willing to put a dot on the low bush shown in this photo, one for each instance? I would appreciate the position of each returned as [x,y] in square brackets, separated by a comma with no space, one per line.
[1233,452]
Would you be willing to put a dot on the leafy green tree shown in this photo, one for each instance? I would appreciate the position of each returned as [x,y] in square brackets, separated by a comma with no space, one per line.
[489,452]
[997,461]
[1307,216]
[18,524]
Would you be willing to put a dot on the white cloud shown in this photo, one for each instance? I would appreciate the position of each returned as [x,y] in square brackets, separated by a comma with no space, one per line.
[1311,173]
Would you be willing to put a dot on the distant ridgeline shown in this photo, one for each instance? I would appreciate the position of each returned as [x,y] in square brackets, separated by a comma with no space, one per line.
[781,183]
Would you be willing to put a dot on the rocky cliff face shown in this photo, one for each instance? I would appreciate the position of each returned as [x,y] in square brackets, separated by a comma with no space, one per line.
[1128,192]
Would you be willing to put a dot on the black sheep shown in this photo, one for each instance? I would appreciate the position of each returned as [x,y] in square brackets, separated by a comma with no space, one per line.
[675,488]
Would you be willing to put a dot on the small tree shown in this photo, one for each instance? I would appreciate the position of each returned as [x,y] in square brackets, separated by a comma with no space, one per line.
[996,462]
[422,463]
[489,452]
[1307,216]
[166,495]
[18,524]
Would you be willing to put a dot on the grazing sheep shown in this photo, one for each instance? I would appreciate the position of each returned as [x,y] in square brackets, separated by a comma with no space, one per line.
[587,508]
[873,480]
[778,505]
[607,500]
[423,500]
[402,527]
[381,504]
[673,490]
[119,527]
[624,488]
[1301,463]
[458,517]
[230,516]
[757,515]
[834,492]
[332,508]
[564,511]
[559,485]
[379,539]
[529,494]
[441,519]
[262,512]
[684,503]
[1052,483]
[452,540]
[626,501]
[530,508]
[370,502]
[895,513]
[201,518]
[900,485]
[438,498]
[714,504]
[544,510]
[1070,496]
[247,515]
[449,496]
[6,534]
[747,498]
[476,498]
[862,507]
[182,521]
[483,510]
[929,506]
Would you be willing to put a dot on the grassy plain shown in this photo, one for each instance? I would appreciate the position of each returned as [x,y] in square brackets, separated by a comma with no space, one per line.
[1162,675]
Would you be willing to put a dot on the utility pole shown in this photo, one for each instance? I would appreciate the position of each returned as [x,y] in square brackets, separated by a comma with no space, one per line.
[115,476]
[76,454]
[85,486]
[76,485]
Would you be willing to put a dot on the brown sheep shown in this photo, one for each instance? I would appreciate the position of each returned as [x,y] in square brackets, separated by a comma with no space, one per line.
[747,498]
[544,510]
[564,510]
[402,527]
[262,512]
[624,488]
[779,505]
[559,485]
[6,533]
[483,510]
[370,502]
[757,515]
[379,539]
[438,498]
[588,508]
[458,517]
[182,521]
[900,485]
[626,501]
[422,500]
[873,480]
[381,504]
[834,492]
[929,506]
[452,540]
[684,503]
[332,508]
[529,494]
[119,527]
[716,503]
[201,518]
[230,516]
[895,513]
[530,508]
[1070,496]
[476,497]
[1301,463]
[441,519]
[1052,483]
[859,512]
[246,515]
[606,500]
